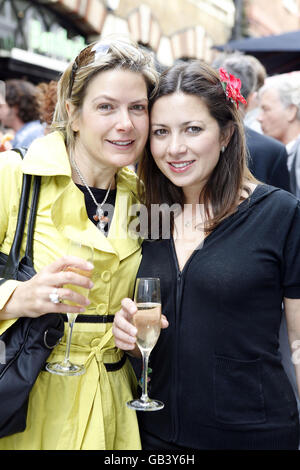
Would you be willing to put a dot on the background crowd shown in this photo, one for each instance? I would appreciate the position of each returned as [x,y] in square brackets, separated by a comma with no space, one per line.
[271,117]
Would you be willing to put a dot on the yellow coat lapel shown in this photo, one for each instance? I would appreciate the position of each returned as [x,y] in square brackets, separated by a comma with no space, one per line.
[47,156]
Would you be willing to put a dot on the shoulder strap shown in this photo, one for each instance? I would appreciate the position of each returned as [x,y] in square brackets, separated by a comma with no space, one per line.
[21,151]
[32,217]
[14,254]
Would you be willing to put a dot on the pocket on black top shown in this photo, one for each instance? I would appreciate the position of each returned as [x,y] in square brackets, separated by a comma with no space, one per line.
[238,391]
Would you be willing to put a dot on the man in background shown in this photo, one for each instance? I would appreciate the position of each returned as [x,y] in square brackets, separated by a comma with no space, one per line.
[253,108]
[267,157]
[280,118]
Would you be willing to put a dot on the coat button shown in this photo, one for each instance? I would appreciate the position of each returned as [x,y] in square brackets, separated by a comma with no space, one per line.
[101,309]
[105,276]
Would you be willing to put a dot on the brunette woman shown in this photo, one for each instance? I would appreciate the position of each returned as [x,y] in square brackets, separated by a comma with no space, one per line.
[232,259]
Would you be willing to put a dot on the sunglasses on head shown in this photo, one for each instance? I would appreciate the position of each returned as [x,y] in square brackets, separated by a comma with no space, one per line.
[84,58]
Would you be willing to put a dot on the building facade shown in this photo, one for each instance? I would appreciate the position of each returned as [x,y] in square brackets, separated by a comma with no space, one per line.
[179,28]
[272,17]
[36,42]
[39,37]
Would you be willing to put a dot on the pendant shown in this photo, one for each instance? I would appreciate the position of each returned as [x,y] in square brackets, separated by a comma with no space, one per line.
[99,212]
[100,218]
[101,226]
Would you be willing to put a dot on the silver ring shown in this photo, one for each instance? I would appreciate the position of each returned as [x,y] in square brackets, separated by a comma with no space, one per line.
[54,297]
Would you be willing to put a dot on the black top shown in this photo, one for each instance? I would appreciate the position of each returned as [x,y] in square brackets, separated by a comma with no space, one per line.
[99,195]
[217,367]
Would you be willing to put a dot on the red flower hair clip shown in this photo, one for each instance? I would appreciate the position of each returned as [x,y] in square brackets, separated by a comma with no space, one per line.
[232,86]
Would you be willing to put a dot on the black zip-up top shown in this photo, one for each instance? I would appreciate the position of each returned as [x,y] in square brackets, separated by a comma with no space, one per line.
[217,366]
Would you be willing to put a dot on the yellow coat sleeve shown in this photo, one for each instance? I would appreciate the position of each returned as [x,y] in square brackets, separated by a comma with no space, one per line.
[10,178]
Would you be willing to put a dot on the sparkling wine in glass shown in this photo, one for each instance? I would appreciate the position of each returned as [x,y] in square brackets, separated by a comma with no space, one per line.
[66,367]
[147,320]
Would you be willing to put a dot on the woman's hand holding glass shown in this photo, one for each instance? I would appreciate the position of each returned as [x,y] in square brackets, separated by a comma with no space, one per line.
[125,332]
[145,315]
[75,293]
[32,298]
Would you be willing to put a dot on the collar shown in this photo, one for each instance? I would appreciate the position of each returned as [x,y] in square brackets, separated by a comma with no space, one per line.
[47,156]
[290,145]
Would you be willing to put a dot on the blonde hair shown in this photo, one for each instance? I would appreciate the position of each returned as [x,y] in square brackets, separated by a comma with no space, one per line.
[106,54]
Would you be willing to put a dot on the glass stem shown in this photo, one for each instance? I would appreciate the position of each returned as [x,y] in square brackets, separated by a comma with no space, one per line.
[68,347]
[144,396]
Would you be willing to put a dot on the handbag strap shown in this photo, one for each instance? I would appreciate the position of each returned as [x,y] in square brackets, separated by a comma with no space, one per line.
[32,217]
[14,254]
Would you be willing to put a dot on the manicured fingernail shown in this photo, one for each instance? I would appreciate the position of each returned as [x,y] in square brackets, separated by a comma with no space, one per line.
[82,310]
[90,265]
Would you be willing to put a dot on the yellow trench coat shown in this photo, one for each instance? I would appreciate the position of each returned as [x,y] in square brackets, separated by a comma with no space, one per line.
[89,411]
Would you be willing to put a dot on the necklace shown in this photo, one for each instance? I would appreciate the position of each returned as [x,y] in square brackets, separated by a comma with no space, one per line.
[195,222]
[99,216]
[191,224]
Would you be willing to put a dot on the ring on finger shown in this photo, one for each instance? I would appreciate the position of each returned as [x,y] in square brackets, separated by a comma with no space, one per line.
[54,297]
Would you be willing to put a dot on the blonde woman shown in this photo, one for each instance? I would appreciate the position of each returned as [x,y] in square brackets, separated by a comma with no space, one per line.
[100,127]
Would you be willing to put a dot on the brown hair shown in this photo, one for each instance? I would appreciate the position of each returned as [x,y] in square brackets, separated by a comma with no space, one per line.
[47,98]
[223,189]
[22,94]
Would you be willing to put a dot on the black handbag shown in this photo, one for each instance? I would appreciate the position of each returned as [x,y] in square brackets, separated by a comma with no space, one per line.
[27,344]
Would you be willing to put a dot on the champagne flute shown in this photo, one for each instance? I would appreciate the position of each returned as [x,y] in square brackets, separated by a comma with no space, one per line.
[147,320]
[66,367]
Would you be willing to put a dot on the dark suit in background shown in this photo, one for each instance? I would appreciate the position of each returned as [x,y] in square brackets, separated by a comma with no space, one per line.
[268,159]
[268,163]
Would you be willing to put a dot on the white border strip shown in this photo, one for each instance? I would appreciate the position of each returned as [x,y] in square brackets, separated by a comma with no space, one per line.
[35,59]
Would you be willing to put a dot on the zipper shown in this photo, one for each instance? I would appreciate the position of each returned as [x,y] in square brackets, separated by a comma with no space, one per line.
[179,292]
[179,284]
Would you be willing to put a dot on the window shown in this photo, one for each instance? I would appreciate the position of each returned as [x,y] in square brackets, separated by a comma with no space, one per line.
[223,10]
